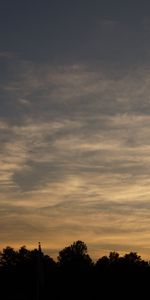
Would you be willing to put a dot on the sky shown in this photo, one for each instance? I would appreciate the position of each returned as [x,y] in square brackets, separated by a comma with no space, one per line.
[75,125]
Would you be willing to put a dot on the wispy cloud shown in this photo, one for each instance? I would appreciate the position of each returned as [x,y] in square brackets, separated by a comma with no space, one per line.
[75,150]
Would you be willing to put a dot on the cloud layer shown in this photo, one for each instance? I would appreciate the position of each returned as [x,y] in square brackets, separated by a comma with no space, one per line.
[74,155]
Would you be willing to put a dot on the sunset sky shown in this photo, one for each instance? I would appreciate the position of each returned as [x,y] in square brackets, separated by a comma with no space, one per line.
[75,124]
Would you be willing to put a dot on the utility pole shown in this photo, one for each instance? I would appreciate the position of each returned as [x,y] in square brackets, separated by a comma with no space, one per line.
[40,274]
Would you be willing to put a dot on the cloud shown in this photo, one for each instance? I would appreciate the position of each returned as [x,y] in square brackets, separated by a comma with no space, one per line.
[75,155]
[7,55]
[74,91]
[104,226]
[109,25]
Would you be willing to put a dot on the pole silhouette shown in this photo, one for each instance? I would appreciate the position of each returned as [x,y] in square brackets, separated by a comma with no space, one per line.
[40,274]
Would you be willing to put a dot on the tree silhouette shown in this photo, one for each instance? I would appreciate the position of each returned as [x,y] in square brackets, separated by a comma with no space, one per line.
[24,274]
[102,263]
[113,257]
[8,257]
[75,256]
[132,258]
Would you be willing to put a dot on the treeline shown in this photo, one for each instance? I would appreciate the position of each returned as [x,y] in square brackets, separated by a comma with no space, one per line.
[32,275]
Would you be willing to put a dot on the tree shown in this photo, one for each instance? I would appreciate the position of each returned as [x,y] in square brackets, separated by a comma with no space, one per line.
[132,258]
[114,257]
[102,263]
[9,257]
[75,256]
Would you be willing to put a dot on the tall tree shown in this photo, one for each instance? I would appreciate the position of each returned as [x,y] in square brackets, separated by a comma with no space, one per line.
[75,256]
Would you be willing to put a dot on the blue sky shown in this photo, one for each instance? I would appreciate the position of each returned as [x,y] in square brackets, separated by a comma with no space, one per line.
[74,124]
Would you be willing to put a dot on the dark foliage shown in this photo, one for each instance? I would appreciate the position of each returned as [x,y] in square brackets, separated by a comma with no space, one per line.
[31,275]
